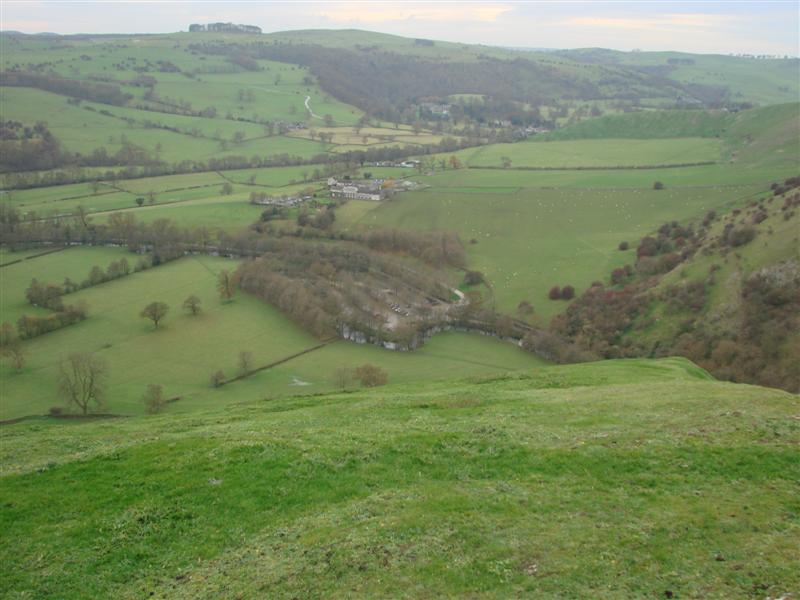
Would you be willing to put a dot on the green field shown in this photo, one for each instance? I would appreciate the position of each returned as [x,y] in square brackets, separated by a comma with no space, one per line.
[528,240]
[618,479]
[596,153]
[184,352]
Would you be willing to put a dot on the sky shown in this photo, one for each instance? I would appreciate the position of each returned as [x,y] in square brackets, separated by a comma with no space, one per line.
[725,27]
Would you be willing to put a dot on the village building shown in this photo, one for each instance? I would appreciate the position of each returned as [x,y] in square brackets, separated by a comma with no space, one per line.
[357,190]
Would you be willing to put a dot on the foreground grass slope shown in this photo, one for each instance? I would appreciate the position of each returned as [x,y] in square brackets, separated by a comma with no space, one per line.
[617,479]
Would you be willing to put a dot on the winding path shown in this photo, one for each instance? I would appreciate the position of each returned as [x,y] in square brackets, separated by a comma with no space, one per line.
[309,109]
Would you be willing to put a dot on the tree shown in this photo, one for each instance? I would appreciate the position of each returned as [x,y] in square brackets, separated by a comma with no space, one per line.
[554,293]
[371,376]
[226,189]
[245,362]
[624,246]
[657,185]
[343,377]
[192,304]
[151,197]
[328,120]
[154,398]
[505,161]
[81,380]
[139,200]
[473,278]
[155,311]
[217,379]
[13,350]
[226,284]
[567,292]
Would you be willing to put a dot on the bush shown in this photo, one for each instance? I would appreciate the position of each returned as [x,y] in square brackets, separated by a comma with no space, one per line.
[567,292]
[623,246]
[740,237]
[56,411]
[554,293]
[371,376]
[657,185]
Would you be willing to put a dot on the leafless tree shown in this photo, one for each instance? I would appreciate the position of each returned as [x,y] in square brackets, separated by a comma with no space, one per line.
[154,398]
[245,362]
[81,380]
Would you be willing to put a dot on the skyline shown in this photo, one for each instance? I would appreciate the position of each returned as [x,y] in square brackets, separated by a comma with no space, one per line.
[769,27]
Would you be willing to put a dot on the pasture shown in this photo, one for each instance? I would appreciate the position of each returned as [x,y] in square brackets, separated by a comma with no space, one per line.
[185,350]
[595,153]
[527,240]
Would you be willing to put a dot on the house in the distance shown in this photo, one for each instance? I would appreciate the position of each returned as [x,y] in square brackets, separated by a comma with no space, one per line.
[372,189]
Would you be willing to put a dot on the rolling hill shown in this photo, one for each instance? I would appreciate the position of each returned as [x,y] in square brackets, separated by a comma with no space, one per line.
[617,479]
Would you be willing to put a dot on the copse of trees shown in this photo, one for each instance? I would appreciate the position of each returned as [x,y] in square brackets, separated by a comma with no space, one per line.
[29,326]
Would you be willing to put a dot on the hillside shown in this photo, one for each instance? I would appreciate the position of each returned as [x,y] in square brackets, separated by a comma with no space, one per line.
[723,291]
[617,479]
[765,136]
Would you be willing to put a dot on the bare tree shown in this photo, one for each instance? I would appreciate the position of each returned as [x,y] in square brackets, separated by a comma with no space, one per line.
[14,351]
[81,380]
[154,398]
[217,379]
[192,304]
[245,362]
[155,311]
[226,284]
[343,377]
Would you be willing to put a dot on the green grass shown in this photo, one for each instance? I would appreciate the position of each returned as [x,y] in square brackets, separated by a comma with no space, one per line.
[532,239]
[607,152]
[719,175]
[656,124]
[74,263]
[617,480]
[185,350]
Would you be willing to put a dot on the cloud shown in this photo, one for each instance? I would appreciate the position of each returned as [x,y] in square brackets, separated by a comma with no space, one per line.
[26,25]
[673,21]
[410,11]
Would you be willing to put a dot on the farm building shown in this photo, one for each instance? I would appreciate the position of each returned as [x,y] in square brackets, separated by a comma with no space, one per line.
[357,190]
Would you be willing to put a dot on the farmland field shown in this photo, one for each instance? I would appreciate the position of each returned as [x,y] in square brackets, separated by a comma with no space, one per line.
[597,153]
[528,240]
[576,292]
[184,352]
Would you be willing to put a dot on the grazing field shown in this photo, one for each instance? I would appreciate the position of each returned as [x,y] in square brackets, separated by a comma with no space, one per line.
[596,153]
[719,175]
[185,350]
[584,480]
[52,267]
[528,240]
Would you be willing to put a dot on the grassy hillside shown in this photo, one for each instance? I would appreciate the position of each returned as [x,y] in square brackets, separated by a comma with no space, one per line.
[651,124]
[618,479]
[723,291]
[762,81]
